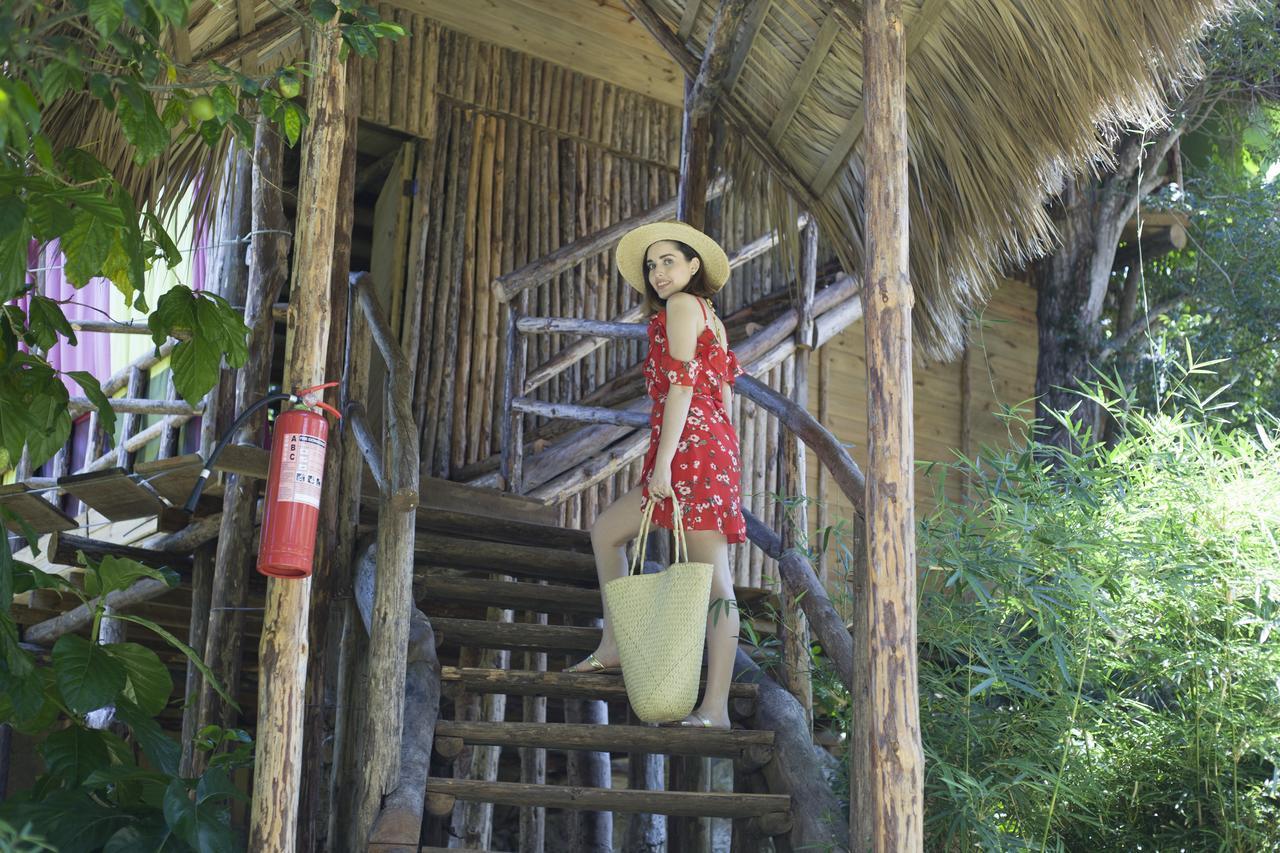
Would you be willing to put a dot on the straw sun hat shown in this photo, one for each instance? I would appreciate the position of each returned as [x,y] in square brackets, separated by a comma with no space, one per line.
[631,248]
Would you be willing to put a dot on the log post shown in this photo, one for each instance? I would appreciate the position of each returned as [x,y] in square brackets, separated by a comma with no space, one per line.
[512,428]
[268,265]
[795,532]
[283,649]
[695,166]
[332,576]
[896,770]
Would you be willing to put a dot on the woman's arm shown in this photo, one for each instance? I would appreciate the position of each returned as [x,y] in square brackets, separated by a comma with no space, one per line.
[683,319]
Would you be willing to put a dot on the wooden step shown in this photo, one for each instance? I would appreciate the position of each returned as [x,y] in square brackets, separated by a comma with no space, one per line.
[529,561]
[437,585]
[535,597]
[517,636]
[753,748]
[527,682]
[441,794]
[471,522]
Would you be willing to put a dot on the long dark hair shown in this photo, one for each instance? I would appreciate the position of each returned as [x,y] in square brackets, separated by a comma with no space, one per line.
[698,284]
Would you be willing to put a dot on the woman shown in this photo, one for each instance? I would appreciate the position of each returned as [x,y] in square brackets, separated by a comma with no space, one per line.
[693,448]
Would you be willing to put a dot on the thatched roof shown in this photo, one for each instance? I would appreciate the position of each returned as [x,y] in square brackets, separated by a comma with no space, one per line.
[1005,99]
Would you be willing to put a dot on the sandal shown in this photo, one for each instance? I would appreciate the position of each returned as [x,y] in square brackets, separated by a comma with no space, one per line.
[702,723]
[597,666]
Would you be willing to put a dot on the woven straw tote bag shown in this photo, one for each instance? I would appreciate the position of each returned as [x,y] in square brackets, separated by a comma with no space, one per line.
[660,622]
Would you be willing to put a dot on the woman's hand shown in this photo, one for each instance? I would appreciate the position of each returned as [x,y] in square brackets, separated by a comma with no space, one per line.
[660,480]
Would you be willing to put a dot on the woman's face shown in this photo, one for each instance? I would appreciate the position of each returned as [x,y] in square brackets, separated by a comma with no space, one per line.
[667,269]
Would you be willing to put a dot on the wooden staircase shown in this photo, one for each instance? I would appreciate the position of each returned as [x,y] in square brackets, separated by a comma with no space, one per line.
[461,556]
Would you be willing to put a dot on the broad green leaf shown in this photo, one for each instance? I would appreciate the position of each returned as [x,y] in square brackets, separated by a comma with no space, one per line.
[323,11]
[46,321]
[121,573]
[93,390]
[160,749]
[86,246]
[147,680]
[88,678]
[195,659]
[224,103]
[49,411]
[49,216]
[174,316]
[224,327]
[75,752]
[58,79]
[201,825]
[291,121]
[106,15]
[14,238]
[141,124]
[71,821]
[216,784]
[195,368]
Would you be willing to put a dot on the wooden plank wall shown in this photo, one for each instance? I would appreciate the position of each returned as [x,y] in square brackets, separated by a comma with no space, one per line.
[528,156]
[1001,373]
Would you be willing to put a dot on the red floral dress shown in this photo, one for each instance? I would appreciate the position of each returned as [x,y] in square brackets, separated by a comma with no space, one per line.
[705,472]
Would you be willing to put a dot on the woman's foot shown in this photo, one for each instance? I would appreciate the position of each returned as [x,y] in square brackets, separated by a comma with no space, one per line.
[597,661]
[698,720]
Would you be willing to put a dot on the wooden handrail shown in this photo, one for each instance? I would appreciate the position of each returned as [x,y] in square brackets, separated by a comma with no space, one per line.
[507,286]
[587,414]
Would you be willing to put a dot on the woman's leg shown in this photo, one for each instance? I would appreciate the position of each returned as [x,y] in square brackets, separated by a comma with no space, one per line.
[613,529]
[710,546]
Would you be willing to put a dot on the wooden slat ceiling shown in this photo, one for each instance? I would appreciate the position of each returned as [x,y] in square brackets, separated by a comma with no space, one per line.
[595,37]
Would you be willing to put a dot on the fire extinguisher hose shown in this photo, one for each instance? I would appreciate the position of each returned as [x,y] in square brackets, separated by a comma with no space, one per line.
[207,470]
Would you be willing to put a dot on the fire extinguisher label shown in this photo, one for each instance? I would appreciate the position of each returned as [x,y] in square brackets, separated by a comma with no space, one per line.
[302,469]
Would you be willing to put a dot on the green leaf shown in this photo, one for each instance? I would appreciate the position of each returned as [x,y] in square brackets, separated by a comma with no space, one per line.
[216,784]
[225,104]
[141,124]
[49,217]
[195,368]
[172,256]
[58,79]
[14,238]
[147,680]
[175,315]
[46,321]
[75,752]
[160,749]
[120,573]
[199,664]
[88,678]
[106,15]
[89,384]
[292,121]
[224,327]
[323,11]
[202,826]
[86,246]
[53,422]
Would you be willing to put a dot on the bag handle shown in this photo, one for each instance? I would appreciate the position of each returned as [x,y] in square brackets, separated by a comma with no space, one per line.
[642,537]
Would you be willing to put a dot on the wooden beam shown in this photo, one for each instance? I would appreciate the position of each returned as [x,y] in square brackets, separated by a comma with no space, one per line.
[246,19]
[689,19]
[253,42]
[929,15]
[742,49]
[718,57]
[547,267]
[738,117]
[804,77]
[892,720]
[283,648]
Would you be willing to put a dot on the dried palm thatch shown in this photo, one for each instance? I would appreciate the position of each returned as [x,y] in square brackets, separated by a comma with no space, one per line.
[81,121]
[1005,100]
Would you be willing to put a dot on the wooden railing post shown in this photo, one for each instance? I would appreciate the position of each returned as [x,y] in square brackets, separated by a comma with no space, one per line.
[516,355]
[796,635]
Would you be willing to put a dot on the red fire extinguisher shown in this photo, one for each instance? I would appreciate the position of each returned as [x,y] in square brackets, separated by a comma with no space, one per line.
[291,505]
